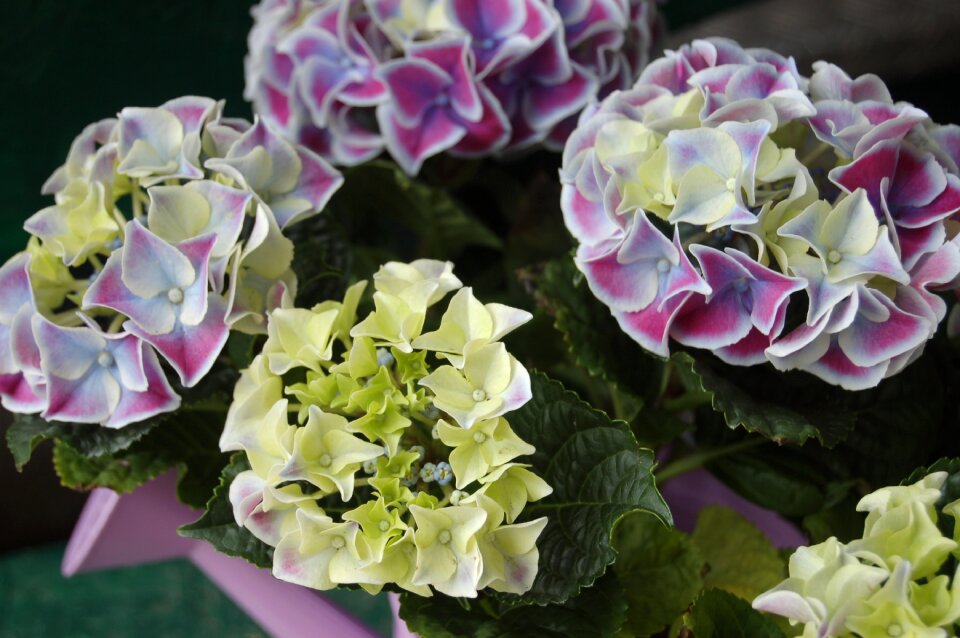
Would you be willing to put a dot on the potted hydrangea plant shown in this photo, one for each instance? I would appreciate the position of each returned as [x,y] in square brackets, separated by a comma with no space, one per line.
[716,324]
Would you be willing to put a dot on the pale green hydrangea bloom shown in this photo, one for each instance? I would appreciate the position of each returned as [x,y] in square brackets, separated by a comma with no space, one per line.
[371,463]
[885,583]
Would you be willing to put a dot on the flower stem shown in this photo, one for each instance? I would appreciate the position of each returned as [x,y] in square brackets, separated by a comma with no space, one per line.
[696,239]
[687,401]
[486,606]
[700,458]
[618,409]
[815,154]
[134,196]
[116,324]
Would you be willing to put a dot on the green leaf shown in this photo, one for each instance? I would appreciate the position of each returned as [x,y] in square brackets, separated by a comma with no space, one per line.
[840,519]
[121,474]
[592,335]
[720,614]
[783,407]
[598,474]
[898,424]
[187,440]
[739,557]
[655,427]
[28,430]
[25,433]
[658,568]
[212,395]
[780,479]
[598,611]
[218,527]
[242,348]
[444,228]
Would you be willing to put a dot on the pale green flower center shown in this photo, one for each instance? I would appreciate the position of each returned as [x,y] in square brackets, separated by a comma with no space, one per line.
[663,265]
[659,197]
[443,537]
[479,395]
[337,542]
[383,525]
[479,437]
[834,257]
[175,295]
[731,184]
[894,630]
[325,460]
[105,359]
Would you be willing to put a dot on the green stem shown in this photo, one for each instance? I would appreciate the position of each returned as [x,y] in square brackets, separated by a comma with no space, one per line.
[618,411]
[815,154]
[417,416]
[700,458]
[116,324]
[137,204]
[488,607]
[447,491]
[696,239]
[687,401]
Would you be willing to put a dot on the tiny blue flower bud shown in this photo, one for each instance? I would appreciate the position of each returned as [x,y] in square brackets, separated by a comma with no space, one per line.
[443,473]
[431,412]
[428,472]
[384,358]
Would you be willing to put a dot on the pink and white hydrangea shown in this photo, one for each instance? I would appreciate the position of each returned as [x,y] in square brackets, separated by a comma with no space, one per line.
[148,237]
[18,382]
[421,77]
[97,377]
[731,204]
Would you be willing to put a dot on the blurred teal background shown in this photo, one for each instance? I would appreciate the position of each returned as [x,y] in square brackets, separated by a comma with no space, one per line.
[66,64]
[164,600]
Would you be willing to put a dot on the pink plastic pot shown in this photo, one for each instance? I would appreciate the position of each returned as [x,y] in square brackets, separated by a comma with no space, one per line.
[128,529]
[116,530]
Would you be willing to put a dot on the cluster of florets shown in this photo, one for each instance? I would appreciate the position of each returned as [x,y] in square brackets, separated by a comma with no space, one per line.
[819,191]
[380,453]
[166,233]
[419,77]
[887,583]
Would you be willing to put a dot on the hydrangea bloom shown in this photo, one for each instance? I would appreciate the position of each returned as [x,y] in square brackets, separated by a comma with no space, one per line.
[379,466]
[472,77]
[883,584]
[148,238]
[732,204]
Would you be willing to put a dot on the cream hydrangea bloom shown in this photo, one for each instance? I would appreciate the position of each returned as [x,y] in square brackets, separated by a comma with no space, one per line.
[883,584]
[383,473]
[491,383]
